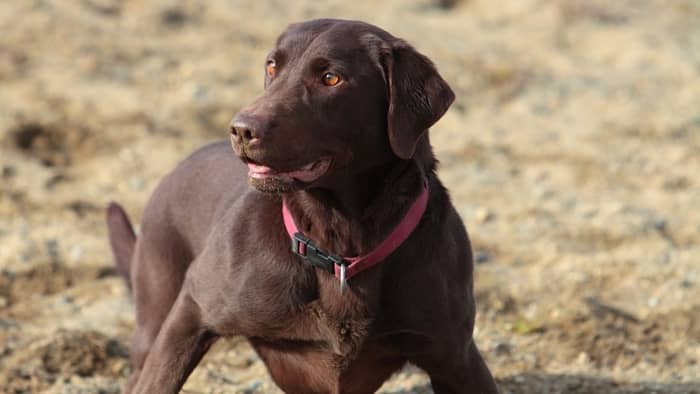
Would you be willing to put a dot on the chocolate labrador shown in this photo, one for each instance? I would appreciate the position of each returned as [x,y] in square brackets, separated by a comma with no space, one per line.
[332,160]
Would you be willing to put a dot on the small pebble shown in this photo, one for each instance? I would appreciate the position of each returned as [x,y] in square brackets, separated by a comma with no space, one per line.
[253,387]
[52,250]
[76,252]
[582,358]
[8,171]
[481,257]
[502,349]
[173,17]
[136,183]
[660,224]
[483,215]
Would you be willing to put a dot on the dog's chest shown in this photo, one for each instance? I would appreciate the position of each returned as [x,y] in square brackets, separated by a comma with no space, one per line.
[334,322]
[303,306]
[325,348]
[342,326]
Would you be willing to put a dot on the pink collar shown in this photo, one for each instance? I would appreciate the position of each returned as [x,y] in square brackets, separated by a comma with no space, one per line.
[304,247]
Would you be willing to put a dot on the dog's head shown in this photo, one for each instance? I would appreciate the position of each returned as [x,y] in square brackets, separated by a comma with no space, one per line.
[341,97]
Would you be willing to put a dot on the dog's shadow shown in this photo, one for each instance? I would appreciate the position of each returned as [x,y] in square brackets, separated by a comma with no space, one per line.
[531,383]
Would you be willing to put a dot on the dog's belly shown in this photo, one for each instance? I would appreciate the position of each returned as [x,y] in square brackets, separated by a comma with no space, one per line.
[311,367]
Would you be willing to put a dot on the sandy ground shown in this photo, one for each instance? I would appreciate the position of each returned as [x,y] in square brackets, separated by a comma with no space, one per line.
[572,154]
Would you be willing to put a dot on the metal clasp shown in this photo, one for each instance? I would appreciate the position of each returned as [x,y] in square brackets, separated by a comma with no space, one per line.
[304,247]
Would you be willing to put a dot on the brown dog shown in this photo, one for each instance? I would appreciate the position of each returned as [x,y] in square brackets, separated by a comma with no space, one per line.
[339,135]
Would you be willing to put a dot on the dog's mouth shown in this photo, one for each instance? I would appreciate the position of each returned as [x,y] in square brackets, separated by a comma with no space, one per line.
[307,173]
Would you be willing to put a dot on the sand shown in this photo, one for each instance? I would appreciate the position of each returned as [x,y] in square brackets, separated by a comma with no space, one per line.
[572,154]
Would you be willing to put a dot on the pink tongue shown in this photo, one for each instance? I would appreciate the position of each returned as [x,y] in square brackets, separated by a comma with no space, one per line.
[308,173]
[258,169]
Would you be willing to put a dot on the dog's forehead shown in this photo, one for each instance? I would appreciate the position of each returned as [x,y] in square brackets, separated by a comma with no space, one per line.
[327,37]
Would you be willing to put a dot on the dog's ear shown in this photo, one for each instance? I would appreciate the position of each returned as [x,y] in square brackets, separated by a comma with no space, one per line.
[418,97]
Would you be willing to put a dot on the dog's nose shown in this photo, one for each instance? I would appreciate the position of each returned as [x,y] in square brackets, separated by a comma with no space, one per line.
[245,131]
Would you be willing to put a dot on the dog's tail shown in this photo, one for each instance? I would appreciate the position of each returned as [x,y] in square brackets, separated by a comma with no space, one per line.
[122,239]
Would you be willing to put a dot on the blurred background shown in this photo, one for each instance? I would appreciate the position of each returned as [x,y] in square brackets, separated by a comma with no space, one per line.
[572,154]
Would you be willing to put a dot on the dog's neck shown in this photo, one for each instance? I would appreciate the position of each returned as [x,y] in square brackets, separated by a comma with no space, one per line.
[347,220]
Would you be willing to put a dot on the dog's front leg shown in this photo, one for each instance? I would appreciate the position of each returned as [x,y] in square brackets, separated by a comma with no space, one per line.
[459,370]
[180,344]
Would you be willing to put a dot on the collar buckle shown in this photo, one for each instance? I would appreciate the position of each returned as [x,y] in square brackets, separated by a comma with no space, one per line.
[304,247]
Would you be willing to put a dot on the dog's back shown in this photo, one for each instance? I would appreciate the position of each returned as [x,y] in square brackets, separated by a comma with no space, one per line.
[197,188]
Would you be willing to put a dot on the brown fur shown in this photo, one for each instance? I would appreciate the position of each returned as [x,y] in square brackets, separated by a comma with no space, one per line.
[213,258]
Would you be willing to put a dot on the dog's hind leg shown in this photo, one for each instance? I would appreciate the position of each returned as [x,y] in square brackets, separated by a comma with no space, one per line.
[181,342]
[158,271]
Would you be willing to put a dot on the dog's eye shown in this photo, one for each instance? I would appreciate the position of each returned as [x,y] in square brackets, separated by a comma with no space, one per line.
[271,68]
[331,79]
